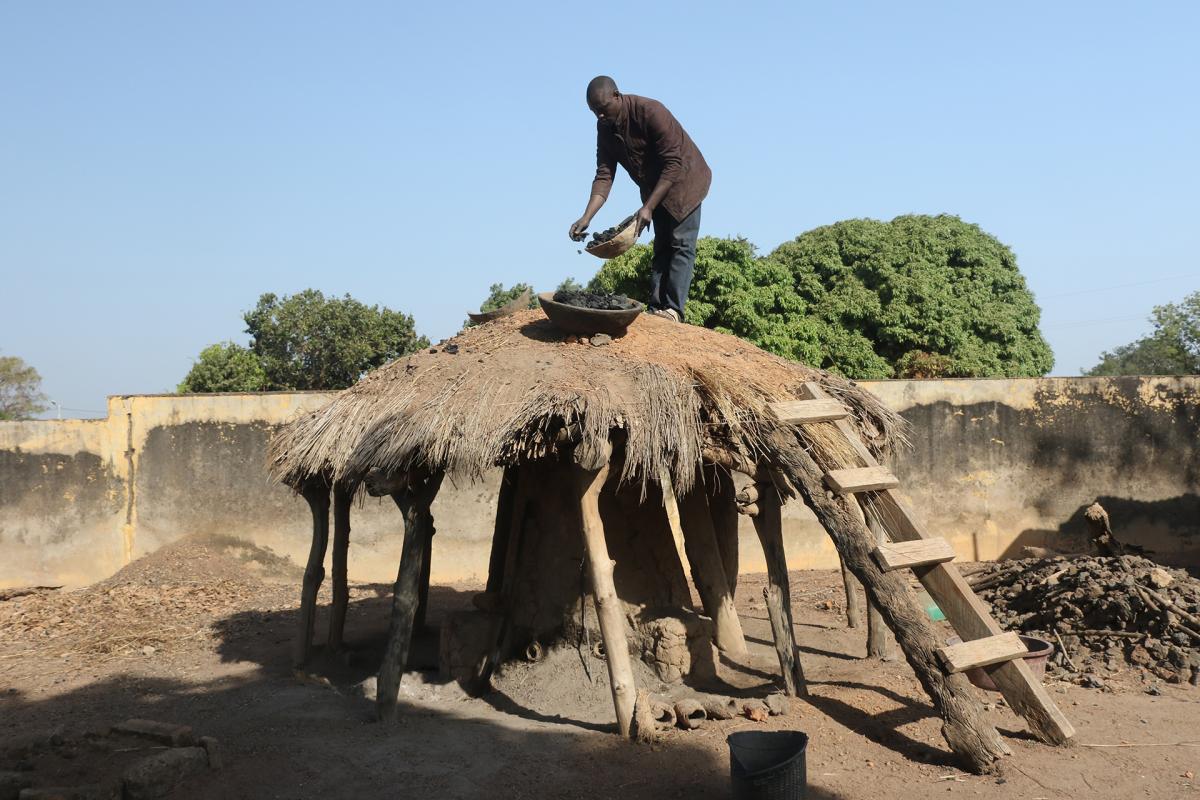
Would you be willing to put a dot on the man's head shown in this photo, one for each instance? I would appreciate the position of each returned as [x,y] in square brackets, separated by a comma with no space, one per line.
[603,97]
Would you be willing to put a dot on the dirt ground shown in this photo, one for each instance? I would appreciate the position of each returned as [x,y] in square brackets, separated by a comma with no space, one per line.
[200,632]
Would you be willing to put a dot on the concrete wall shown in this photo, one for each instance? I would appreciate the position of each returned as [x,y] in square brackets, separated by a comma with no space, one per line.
[996,464]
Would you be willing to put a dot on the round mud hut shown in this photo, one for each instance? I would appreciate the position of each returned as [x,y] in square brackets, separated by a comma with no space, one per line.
[626,462]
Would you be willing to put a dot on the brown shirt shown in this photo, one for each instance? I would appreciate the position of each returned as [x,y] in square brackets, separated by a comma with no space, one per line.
[649,142]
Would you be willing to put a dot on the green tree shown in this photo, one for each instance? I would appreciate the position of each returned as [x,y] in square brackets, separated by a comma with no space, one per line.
[226,367]
[1172,348]
[305,341]
[918,296]
[20,389]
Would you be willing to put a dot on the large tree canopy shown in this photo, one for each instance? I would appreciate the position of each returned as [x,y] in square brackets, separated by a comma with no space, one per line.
[919,296]
[20,389]
[1173,348]
[306,341]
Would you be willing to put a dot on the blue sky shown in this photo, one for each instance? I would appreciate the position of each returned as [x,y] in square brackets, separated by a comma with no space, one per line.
[163,164]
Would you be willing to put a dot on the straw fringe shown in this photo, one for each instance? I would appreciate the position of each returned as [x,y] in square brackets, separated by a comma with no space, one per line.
[515,391]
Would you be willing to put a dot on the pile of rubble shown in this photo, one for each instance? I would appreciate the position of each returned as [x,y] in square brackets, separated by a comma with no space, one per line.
[1103,611]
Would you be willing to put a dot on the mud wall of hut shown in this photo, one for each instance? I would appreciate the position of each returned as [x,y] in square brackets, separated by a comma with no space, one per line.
[995,465]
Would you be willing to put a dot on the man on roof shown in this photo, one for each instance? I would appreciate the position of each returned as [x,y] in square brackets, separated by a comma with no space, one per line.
[644,137]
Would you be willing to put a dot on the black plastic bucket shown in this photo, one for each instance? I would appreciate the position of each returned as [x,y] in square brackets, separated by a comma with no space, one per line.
[768,765]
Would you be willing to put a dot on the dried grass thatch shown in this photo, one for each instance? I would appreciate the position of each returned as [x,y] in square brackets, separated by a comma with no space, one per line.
[516,389]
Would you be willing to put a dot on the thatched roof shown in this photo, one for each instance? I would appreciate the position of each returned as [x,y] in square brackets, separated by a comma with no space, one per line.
[516,389]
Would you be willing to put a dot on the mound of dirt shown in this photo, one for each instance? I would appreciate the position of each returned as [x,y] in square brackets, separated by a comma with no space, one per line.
[160,602]
[1116,611]
[567,684]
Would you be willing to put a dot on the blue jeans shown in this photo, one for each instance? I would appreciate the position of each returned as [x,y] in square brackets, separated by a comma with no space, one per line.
[674,259]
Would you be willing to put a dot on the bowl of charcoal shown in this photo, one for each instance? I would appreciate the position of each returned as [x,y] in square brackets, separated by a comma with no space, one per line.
[614,241]
[587,313]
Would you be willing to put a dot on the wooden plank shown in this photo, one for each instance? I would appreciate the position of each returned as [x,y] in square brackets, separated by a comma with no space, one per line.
[799,412]
[861,479]
[981,652]
[919,553]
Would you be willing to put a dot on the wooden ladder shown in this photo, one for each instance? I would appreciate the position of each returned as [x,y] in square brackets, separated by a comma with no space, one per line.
[984,643]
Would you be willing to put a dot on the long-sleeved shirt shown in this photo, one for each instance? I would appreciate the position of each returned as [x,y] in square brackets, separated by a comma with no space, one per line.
[650,143]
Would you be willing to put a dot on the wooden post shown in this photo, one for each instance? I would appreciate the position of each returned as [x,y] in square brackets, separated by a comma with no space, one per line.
[342,495]
[708,572]
[853,601]
[768,524]
[878,644]
[722,507]
[501,530]
[604,592]
[316,492]
[423,584]
[964,726]
[413,501]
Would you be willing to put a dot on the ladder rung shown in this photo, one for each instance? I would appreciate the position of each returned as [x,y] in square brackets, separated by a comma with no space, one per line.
[863,479]
[918,553]
[798,412]
[982,652]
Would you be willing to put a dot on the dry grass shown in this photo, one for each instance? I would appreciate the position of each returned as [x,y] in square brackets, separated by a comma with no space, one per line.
[517,390]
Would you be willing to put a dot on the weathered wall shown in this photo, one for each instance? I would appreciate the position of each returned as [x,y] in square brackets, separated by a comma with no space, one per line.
[996,464]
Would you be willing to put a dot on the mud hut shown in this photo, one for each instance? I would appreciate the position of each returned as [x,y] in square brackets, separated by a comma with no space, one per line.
[634,457]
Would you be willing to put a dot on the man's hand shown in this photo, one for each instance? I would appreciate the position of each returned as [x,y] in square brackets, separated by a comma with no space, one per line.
[578,230]
[644,217]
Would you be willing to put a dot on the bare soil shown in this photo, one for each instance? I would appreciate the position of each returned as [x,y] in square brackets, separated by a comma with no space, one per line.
[199,634]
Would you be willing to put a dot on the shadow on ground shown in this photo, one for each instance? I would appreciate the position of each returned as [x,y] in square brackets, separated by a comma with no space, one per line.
[289,738]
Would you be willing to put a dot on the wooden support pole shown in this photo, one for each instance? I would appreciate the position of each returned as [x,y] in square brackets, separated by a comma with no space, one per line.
[965,728]
[414,501]
[878,644]
[502,530]
[708,572]
[722,507]
[423,583]
[604,592]
[768,524]
[854,611]
[316,492]
[342,495]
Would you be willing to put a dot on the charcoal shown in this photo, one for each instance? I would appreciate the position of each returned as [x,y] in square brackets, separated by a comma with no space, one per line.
[593,300]
[608,235]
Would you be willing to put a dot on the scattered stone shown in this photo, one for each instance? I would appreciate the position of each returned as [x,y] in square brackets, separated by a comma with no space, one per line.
[212,749]
[148,650]
[368,688]
[1153,689]
[689,714]
[720,707]
[165,732]
[755,711]
[601,339]
[1092,681]
[11,784]
[1160,578]
[432,350]
[157,775]
[777,705]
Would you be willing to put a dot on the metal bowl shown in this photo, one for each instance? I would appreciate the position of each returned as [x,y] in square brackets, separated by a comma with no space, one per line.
[587,321]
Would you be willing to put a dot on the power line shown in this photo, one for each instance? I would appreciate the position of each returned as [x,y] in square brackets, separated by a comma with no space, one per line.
[1117,286]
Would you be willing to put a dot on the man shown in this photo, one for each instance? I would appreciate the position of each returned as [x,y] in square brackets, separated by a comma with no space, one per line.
[644,137]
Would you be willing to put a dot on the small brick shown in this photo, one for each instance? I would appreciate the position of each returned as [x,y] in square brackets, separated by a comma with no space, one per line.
[213,748]
[165,732]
